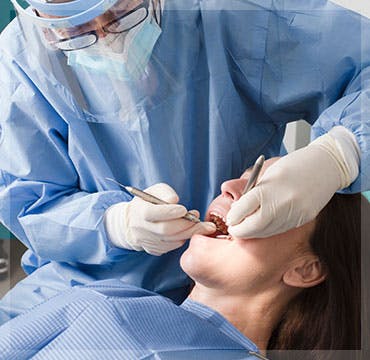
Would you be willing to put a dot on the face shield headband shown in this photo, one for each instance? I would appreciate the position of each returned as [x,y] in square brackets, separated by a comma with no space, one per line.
[74,13]
[121,17]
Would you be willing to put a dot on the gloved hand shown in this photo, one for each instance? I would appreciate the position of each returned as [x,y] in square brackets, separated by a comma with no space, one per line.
[292,191]
[157,229]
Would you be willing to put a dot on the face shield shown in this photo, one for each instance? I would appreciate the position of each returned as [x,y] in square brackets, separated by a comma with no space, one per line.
[98,47]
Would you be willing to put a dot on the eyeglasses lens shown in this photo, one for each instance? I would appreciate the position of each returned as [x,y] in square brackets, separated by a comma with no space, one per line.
[78,42]
[127,22]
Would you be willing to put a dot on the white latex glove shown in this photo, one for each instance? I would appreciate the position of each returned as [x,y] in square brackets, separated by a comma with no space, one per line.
[157,229]
[294,189]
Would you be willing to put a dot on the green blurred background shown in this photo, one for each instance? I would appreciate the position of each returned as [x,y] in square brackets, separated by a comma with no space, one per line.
[6,13]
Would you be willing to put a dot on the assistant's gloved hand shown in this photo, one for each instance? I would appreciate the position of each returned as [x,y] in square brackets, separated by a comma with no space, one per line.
[157,229]
[294,189]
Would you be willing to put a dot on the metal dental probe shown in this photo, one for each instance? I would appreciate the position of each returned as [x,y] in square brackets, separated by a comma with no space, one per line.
[257,167]
[152,199]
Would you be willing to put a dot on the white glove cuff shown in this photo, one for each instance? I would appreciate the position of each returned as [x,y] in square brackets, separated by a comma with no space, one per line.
[337,143]
[115,225]
[349,148]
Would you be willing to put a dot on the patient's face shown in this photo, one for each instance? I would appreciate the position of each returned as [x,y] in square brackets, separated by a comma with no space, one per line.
[242,265]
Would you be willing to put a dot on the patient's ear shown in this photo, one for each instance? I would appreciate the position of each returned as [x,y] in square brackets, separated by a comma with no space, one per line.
[305,272]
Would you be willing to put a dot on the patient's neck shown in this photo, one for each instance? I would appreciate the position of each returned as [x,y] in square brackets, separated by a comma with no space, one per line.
[253,315]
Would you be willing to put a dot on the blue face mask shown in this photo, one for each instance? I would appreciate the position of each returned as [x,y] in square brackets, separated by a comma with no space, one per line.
[124,56]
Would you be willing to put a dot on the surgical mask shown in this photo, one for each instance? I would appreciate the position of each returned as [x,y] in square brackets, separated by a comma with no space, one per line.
[124,56]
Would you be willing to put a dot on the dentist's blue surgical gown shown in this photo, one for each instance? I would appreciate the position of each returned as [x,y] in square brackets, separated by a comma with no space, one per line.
[112,320]
[225,78]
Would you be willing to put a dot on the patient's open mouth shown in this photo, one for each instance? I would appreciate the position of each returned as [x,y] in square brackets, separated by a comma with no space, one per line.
[219,221]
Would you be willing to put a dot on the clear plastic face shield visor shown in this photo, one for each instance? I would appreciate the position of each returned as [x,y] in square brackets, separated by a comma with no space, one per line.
[93,48]
[67,29]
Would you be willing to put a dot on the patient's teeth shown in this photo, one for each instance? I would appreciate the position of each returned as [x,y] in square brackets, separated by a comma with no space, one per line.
[220,222]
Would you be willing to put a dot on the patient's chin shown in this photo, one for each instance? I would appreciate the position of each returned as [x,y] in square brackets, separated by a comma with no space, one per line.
[204,270]
[192,264]
[202,258]
[186,261]
[192,267]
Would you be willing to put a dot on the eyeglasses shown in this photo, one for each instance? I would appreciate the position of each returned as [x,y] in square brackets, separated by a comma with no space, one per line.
[120,25]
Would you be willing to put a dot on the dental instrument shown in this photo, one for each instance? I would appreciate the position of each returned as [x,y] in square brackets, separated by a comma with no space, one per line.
[257,167]
[152,199]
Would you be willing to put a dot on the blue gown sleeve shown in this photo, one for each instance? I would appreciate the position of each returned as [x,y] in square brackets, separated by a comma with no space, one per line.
[353,112]
[345,51]
[317,68]
[42,199]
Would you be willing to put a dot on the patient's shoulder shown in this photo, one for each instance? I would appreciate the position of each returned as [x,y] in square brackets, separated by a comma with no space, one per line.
[97,306]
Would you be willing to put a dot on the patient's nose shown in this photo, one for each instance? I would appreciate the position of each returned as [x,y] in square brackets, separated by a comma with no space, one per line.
[233,188]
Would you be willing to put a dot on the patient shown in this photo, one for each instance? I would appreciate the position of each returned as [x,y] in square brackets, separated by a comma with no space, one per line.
[297,290]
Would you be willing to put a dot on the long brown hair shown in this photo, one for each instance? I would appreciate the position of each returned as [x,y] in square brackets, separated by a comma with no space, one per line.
[328,316]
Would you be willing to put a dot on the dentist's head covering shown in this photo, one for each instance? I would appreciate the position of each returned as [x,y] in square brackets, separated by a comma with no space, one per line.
[67,13]
[63,13]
